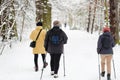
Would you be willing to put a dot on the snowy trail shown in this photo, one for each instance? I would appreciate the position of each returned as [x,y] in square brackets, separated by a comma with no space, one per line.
[80,58]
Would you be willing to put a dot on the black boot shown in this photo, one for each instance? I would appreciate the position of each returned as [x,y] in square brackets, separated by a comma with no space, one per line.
[45,64]
[108,77]
[36,69]
[103,74]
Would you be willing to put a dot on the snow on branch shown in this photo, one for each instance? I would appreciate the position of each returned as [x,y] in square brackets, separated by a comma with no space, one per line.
[4,6]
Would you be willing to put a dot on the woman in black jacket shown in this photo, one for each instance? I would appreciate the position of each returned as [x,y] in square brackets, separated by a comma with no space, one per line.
[54,44]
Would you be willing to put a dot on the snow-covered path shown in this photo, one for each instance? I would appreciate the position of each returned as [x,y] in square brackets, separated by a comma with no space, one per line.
[81,60]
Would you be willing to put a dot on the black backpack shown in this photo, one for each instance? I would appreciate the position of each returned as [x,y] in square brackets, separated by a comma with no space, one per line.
[106,42]
[55,37]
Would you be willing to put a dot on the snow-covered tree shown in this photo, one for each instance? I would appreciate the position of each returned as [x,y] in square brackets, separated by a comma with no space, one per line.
[7,20]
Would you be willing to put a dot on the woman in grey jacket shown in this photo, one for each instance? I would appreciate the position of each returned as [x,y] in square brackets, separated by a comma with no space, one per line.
[54,44]
[104,48]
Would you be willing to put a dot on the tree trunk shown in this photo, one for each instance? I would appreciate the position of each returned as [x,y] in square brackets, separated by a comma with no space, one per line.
[46,15]
[49,17]
[43,13]
[39,10]
[94,16]
[114,19]
[21,32]
[106,13]
[89,17]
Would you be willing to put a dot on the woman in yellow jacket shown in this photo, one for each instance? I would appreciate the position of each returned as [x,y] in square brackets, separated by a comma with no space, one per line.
[39,49]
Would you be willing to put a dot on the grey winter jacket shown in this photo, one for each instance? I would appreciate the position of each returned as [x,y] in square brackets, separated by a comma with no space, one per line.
[100,48]
[49,47]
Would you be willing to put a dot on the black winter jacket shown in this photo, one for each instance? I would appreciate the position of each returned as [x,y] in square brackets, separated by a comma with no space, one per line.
[49,47]
[100,48]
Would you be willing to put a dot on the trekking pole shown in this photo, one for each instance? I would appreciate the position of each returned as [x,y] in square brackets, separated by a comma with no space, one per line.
[42,69]
[64,63]
[114,68]
[99,67]
[41,73]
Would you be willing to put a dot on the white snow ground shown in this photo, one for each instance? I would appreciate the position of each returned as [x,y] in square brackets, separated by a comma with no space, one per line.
[81,60]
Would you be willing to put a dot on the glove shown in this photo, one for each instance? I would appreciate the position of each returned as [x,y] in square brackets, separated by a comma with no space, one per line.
[98,50]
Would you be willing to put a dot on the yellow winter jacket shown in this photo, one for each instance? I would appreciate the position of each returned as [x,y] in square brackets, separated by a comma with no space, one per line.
[39,49]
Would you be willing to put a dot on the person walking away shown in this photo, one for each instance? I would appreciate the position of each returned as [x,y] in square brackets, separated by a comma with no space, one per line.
[39,49]
[65,24]
[54,44]
[104,48]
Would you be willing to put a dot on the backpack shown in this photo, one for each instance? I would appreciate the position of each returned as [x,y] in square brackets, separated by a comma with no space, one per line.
[106,42]
[55,38]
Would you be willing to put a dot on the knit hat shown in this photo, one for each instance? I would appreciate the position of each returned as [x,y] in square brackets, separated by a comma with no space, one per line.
[106,29]
[56,23]
[39,24]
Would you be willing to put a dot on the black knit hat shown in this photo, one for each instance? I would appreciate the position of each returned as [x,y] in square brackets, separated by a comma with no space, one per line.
[39,24]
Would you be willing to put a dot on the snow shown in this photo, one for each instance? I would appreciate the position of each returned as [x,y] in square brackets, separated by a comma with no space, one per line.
[81,60]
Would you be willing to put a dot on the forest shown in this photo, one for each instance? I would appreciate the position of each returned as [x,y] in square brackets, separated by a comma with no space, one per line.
[17,17]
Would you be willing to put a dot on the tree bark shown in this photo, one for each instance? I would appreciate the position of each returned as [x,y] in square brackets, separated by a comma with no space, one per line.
[114,19]
[89,17]
[43,13]
[39,10]
[94,16]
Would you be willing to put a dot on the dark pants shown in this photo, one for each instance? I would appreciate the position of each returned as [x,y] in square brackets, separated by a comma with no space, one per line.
[36,59]
[54,63]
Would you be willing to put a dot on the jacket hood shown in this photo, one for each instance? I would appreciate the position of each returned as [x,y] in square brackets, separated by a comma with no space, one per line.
[107,33]
[38,27]
[56,28]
